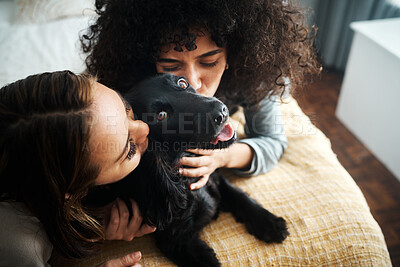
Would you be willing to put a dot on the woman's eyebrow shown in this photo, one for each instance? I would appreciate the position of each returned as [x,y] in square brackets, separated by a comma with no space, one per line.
[167,60]
[124,102]
[208,54]
[211,53]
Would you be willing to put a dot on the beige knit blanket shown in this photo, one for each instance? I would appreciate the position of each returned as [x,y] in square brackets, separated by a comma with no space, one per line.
[329,221]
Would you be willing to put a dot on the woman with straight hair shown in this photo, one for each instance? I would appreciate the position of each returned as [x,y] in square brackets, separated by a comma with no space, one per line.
[62,134]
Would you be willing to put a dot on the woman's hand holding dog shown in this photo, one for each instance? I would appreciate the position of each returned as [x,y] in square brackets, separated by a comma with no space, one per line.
[131,259]
[118,227]
[204,165]
[238,155]
[117,223]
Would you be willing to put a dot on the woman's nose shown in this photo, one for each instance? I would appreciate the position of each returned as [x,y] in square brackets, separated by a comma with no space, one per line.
[194,78]
[140,130]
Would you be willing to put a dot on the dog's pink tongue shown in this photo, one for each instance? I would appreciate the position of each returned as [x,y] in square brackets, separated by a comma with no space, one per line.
[225,134]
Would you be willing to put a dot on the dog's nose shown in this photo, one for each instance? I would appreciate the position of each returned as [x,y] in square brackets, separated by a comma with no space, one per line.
[221,116]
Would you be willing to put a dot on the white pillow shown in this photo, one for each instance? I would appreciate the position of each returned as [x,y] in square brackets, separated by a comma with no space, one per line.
[32,48]
[39,11]
[7,11]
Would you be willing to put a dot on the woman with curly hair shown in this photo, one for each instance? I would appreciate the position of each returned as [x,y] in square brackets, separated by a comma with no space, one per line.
[58,140]
[247,53]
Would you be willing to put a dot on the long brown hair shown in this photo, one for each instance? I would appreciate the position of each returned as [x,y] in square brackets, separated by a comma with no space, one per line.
[44,133]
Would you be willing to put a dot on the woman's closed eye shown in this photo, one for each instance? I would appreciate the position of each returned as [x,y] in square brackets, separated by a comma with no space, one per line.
[209,64]
[132,150]
[206,64]
[170,69]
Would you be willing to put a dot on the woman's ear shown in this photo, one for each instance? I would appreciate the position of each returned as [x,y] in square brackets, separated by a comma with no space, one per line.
[67,196]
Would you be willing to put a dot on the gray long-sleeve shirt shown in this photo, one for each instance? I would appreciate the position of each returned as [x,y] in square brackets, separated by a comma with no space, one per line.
[266,136]
[23,241]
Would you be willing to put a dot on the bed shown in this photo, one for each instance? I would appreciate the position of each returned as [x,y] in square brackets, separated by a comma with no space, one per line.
[328,217]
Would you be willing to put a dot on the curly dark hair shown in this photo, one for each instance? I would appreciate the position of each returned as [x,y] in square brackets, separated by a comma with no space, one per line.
[266,41]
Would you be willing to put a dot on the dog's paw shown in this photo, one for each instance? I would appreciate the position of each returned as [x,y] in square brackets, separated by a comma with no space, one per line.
[279,230]
[268,228]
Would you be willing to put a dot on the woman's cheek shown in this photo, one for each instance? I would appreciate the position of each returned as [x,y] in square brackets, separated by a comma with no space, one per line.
[135,161]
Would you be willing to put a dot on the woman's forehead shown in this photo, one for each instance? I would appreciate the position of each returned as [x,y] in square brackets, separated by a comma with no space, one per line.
[204,44]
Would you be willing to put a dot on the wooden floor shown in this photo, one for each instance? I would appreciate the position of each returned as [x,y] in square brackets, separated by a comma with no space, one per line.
[380,187]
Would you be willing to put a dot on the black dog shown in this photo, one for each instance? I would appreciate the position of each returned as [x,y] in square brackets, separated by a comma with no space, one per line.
[179,119]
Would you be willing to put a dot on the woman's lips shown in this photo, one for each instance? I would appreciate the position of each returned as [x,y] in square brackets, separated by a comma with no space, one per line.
[143,146]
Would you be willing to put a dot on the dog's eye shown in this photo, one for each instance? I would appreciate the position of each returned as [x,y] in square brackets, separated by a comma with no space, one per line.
[162,115]
[182,83]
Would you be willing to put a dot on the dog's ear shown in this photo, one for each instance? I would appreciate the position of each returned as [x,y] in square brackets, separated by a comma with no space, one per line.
[170,206]
[171,200]
[177,200]
[176,197]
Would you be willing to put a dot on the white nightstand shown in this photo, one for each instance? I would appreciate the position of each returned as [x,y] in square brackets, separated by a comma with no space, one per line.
[369,101]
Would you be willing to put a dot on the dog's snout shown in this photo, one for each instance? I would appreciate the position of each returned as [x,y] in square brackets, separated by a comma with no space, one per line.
[224,111]
[221,117]
[218,120]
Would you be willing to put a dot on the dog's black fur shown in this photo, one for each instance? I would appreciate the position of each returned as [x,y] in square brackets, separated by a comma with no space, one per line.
[164,197]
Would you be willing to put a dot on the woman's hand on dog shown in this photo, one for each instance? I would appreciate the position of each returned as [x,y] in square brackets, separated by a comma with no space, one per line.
[210,160]
[131,259]
[118,226]
[203,165]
